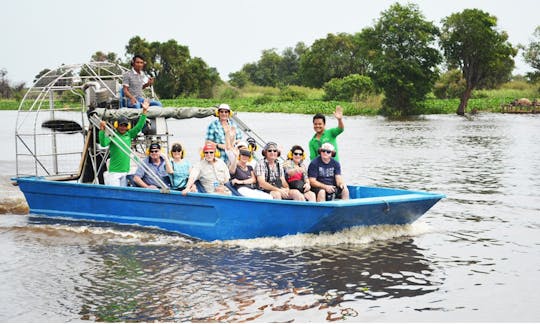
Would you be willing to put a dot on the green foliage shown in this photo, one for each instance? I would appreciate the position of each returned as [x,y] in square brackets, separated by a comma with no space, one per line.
[238,79]
[352,87]
[263,100]
[403,57]
[531,53]
[335,56]
[272,69]
[450,85]
[228,93]
[291,94]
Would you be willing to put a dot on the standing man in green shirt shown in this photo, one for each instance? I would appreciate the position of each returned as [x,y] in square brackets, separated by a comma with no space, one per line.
[323,135]
[119,163]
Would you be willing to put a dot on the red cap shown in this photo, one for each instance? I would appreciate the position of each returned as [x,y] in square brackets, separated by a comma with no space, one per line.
[209,147]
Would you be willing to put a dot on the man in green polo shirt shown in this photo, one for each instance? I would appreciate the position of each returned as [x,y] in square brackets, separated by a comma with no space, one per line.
[119,163]
[323,135]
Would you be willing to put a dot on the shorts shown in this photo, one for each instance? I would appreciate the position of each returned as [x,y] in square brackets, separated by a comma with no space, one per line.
[329,196]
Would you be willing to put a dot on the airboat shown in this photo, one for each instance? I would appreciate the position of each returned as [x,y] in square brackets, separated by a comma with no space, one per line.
[60,166]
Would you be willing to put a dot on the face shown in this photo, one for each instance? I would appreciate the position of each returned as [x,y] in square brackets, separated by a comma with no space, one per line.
[209,155]
[176,154]
[223,114]
[318,125]
[155,153]
[272,154]
[122,128]
[326,154]
[297,155]
[138,64]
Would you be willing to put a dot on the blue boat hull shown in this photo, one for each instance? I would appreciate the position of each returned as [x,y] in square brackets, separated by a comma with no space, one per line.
[213,217]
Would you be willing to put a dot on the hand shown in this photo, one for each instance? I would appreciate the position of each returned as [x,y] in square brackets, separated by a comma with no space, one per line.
[102,125]
[330,189]
[145,105]
[150,82]
[307,187]
[339,112]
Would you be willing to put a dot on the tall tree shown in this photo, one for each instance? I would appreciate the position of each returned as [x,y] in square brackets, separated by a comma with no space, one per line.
[401,47]
[471,42]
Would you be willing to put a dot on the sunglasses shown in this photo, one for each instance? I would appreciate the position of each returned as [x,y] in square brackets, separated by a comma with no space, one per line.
[176,151]
[298,153]
[327,151]
[223,111]
[209,152]
[271,151]
[154,151]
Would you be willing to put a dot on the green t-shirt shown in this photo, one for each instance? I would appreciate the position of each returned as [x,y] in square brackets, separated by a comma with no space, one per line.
[119,160]
[328,136]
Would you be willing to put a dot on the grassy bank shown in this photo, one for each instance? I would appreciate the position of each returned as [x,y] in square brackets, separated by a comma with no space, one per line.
[301,100]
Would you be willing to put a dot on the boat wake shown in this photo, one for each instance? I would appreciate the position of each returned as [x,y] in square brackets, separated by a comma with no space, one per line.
[107,233]
[353,236]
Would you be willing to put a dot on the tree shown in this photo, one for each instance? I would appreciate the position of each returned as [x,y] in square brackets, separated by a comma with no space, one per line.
[531,54]
[471,43]
[332,57]
[403,57]
[100,56]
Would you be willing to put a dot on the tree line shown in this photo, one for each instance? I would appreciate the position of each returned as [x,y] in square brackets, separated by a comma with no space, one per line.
[401,56]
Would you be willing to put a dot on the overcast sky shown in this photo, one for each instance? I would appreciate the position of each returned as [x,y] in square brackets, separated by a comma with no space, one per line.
[39,34]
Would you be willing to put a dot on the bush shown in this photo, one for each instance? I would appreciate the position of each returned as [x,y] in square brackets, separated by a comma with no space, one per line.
[262,100]
[351,88]
[450,85]
[290,94]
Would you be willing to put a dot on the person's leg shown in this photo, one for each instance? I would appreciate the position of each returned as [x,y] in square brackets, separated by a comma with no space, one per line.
[310,196]
[155,103]
[296,195]
[137,105]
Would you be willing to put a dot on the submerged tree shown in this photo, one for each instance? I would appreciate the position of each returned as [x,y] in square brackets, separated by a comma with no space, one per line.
[471,43]
[401,49]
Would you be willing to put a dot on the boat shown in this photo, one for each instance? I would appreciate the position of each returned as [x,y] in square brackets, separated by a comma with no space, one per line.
[60,168]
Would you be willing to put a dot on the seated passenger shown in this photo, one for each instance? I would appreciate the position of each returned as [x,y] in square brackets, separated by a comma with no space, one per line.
[156,161]
[324,174]
[271,177]
[179,172]
[210,171]
[296,172]
[133,83]
[244,179]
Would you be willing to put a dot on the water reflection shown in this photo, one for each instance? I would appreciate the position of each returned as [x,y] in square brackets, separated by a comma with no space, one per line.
[202,282]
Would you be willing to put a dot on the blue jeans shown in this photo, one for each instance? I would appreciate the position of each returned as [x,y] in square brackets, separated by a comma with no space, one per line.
[140,100]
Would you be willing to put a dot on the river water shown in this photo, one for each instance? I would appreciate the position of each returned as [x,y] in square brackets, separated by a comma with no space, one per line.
[475,256]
